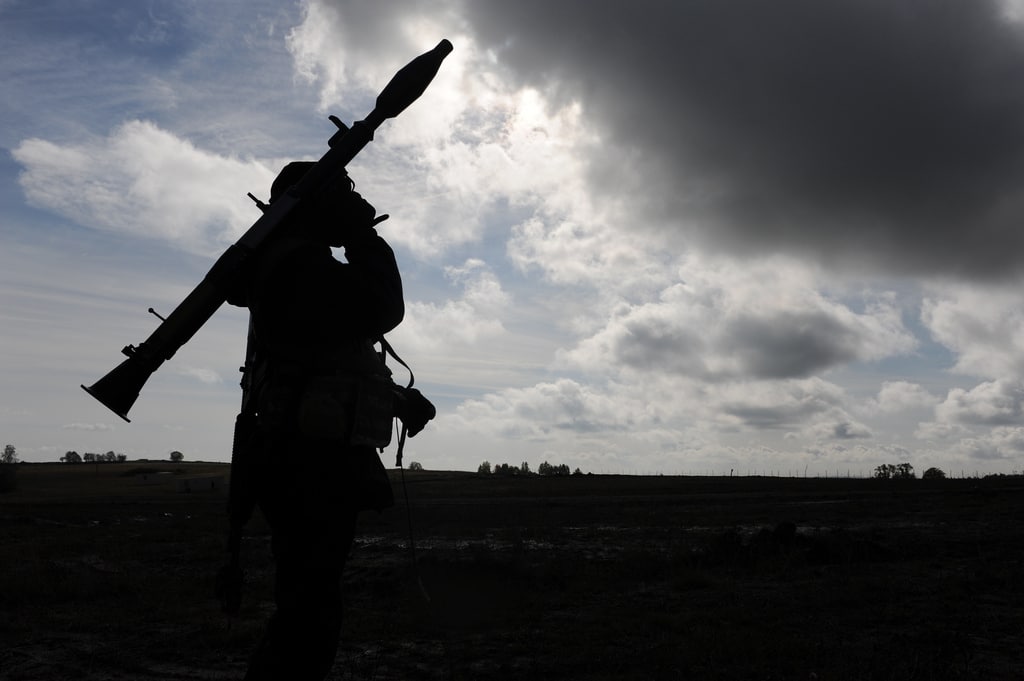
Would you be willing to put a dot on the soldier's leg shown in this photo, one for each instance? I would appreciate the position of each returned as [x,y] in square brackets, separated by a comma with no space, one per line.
[313,529]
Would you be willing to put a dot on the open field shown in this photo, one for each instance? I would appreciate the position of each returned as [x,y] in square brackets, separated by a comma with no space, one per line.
[592,577]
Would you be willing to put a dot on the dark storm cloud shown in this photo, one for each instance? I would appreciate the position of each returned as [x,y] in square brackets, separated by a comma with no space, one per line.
[872,132]
[792,344]
[784,345]
[846,430]
[794,405]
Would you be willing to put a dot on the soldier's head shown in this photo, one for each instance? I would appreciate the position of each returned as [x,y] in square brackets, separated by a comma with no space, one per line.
[334,215]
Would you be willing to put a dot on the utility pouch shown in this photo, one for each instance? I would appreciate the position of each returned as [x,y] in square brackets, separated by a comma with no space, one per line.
[350,408]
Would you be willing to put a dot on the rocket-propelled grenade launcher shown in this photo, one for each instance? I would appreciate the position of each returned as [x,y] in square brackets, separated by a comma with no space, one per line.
[119,389]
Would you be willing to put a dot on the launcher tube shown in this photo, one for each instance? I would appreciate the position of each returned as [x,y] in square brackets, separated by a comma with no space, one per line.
[119,389]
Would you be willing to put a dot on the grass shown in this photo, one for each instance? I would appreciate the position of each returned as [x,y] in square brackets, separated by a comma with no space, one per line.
[598,577]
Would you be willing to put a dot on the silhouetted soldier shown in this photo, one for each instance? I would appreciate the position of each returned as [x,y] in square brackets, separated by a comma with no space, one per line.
[317,385]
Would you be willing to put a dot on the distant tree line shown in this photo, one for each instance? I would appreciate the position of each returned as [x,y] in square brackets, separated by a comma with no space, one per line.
[545,468]
[109,457]
[905,471]
[10,455]
[91,457]
[551,469]
[888,471]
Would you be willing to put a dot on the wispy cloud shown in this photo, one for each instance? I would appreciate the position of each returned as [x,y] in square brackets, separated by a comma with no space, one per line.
[207,376]
[91,427]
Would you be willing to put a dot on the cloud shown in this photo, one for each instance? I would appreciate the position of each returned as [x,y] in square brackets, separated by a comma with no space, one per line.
[993,403]
[1000,444]
[964,445]
[145,182]
[352,43]
[448,182]
[207,376]
[637,210]
[775,405]
[719,325]
[793,343]
[90,427]
[862,458]
[585,246]
[878,134]
[896,396]
[984,325]
[477,144]
[456,324]
[848,430]
[540,412]
[939,431]
[661,417]
[152,30]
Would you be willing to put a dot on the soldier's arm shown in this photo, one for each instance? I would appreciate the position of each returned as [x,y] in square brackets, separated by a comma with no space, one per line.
[374,283]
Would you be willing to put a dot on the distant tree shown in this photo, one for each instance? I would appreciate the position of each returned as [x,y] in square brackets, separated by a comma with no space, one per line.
[885,472]
[177,457]
[10,455]
[934,474]
[550,469]
[121,458]
[110,457]
[888,471]
[577,472]
[71,457]
[525,468]
[89,457]
[505,469]
[415,466]
[484,468]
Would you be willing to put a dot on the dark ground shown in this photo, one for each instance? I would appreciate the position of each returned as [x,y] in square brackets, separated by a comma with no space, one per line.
[591,577]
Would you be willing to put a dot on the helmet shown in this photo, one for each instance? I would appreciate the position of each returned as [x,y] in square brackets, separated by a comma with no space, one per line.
[289,176]
[331,215]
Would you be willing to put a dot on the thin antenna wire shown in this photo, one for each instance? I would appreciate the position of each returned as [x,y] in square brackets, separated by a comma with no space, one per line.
[412,537]
[427,601]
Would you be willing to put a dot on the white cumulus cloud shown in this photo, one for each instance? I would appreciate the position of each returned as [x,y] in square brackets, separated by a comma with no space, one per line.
[994,403]
[759,321]
[982,324]
[144,181]
[896,396]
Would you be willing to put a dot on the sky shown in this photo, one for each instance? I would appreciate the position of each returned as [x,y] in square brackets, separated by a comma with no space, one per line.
[686,237]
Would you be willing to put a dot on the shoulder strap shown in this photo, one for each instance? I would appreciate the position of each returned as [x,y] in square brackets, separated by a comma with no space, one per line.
[386,349]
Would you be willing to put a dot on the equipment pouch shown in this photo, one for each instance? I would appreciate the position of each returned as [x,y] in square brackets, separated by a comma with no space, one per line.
[354,409]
